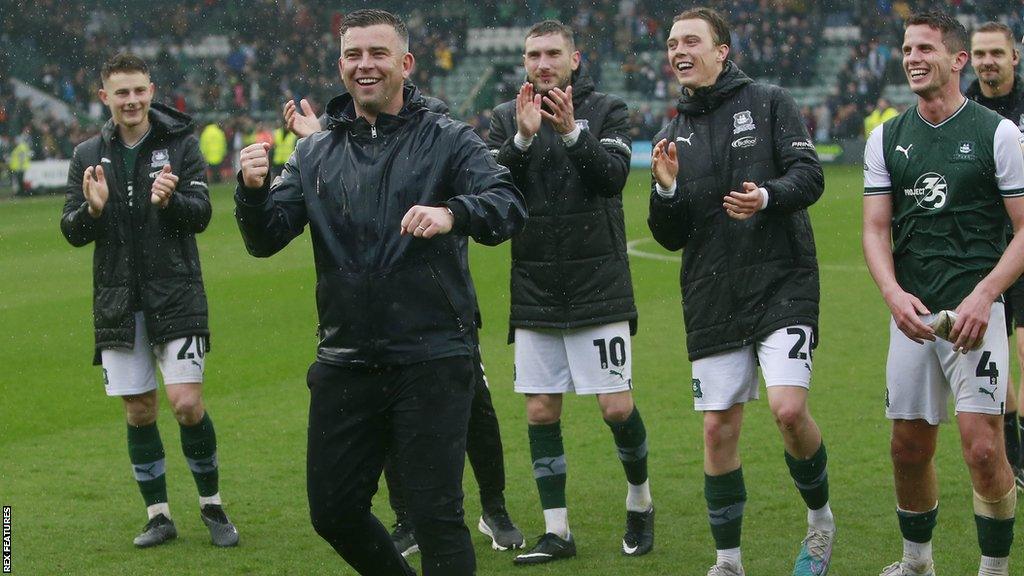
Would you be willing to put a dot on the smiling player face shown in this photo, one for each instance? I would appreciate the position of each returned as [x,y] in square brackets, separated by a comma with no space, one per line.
[374,62]
[695,58]
[927,61]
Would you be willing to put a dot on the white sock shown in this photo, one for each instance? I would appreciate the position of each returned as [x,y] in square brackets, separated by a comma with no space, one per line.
[730,556]
[917,553]
[638,498]
[157,509]
[206,500]
[994,566]
[556,521]
[821,518]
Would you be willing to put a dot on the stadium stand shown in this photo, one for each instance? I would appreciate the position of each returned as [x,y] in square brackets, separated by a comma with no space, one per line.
[235,62]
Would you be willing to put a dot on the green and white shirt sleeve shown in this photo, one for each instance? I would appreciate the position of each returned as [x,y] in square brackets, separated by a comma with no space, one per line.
[876,176]
[1008,149]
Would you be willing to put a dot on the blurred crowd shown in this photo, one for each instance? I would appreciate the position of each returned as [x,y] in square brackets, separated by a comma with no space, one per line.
[267,51]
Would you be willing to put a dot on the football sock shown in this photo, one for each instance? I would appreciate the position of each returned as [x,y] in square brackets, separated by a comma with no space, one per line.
[811,479]
[1020,433]
[157,509]
[146,453]
[199,444]
[917,530]
[726,496]
[994,520]
[730,556]
[556,521]
[994,566]
[631,441]
[549,466]
[1011,432]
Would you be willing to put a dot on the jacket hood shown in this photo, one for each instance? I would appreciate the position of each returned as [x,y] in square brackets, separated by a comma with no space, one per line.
[163,118]
[341,110]
[582,85]
[705,99]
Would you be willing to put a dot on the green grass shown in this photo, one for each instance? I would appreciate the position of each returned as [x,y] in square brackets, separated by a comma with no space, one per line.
[65,473]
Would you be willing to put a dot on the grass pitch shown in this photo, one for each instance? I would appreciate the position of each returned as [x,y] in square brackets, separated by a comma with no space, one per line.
[65,474]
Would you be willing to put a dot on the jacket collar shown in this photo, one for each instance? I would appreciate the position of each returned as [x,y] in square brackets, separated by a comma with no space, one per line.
[974,93]
[341,112]
[706,99]
[163,120]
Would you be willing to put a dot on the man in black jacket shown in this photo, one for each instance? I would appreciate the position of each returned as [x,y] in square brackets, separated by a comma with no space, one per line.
[995,58]
[734,174]
[138,190]
[483,442]
[390,191]
[572,315]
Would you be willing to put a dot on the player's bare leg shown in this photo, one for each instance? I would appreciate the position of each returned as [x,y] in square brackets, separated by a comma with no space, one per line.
[146,452]
[807,461]
[995,495]
[724,488]
[913,449]
[630,434]
[199,444]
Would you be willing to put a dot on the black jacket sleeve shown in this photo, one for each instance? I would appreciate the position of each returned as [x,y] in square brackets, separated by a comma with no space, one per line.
[77,225]
[269,217]
[602,161]
[189,207]
[668,218]
[802,181]
[501,142]
[486,204]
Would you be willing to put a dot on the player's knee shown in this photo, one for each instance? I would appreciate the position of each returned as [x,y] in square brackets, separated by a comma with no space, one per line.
[719,432]
[617,413]
[188,411]
[140,410]
[790,416]
[333,522]
[982,454]
[909,451]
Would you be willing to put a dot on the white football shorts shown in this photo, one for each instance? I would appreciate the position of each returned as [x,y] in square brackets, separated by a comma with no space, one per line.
[921,377]
[131,372]
[588,360]
[729,378]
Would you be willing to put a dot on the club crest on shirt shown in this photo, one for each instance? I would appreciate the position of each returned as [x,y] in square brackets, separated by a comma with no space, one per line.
[160,158]
[742,122]
[964,151]
[583,124]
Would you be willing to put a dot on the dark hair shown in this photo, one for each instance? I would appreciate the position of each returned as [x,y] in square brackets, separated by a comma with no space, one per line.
[372,17]
[123,62]
[716,21]
[553,27]
[997,27]
[954,35]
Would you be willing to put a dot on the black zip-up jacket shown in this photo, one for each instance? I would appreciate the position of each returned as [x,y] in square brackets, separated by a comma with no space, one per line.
[145,257]
[741,279]
[1010,107]
[569,264]
[382,298]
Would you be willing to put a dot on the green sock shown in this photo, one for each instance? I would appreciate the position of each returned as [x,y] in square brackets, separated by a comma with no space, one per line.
[146,453]
[918,526]
[726,496]
[631,440]
[811,477]
[548,463]
[199,444]
[994,536]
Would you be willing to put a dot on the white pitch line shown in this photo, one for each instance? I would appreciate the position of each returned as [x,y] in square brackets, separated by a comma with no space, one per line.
[632,250]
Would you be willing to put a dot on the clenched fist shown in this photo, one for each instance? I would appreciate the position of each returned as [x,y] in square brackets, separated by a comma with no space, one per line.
[255,164]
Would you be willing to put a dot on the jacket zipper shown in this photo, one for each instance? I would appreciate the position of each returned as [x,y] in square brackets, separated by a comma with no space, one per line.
[451,304]
[373,130]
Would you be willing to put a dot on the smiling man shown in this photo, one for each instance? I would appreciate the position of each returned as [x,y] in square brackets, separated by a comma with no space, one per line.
[999,88]
[390,191]
[138,191]
[572,314]
[939,181]
[733,176]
